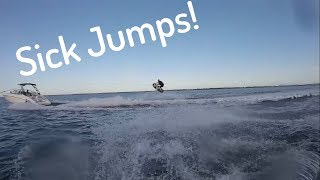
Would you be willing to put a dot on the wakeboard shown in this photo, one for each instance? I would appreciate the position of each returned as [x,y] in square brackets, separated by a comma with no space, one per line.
[157,87]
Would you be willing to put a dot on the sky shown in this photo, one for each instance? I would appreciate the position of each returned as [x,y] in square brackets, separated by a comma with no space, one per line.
[239,43]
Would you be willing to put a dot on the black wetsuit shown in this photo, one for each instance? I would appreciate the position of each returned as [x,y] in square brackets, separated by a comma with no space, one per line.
[160,83]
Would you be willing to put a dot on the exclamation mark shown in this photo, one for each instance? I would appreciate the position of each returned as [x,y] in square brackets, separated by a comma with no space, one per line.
[193,14]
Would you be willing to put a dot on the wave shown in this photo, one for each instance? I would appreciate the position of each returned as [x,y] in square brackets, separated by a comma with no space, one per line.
[178,142]
[150,100]
[198,143]
[290,99]
[54,158]
[267,97]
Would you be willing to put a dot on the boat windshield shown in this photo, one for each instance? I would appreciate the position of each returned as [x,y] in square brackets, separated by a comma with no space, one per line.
[25,92]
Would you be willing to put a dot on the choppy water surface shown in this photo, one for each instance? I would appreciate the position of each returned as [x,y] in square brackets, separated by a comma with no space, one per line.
[245,133]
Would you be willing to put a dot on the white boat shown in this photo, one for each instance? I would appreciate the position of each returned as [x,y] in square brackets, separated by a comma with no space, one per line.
[23,95]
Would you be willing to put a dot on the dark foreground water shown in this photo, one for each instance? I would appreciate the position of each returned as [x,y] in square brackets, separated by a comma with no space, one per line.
[225,134]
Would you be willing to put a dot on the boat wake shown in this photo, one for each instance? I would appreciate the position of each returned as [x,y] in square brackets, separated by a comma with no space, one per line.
[145,101]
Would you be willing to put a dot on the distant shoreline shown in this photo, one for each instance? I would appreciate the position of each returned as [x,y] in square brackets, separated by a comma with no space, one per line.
[197,89]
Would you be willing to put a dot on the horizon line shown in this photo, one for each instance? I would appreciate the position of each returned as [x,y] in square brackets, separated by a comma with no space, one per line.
[235,87]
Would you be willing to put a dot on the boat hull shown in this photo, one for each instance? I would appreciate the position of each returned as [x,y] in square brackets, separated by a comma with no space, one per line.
[17,98]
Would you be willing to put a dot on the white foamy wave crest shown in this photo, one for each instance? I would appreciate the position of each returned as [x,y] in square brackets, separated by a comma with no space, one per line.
[119,101]
[255,98]
[155,142]
[106,102]
[152,100]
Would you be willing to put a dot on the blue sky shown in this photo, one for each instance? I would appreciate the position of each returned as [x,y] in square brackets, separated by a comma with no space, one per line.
[239,43]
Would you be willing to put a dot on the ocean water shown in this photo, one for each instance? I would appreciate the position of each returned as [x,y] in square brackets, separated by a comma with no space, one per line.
[269,133]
